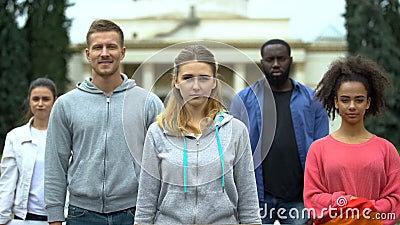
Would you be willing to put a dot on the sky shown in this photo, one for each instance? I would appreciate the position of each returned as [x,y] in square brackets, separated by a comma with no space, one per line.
[308,18]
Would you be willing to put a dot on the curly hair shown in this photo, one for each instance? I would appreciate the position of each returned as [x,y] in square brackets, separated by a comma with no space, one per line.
[350,69]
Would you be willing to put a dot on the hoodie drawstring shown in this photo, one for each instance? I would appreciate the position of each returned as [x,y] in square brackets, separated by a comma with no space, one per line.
[184,165]
[221,156]
[221,153]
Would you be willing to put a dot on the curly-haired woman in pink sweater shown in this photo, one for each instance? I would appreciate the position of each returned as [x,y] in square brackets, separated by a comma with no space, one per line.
[353,172]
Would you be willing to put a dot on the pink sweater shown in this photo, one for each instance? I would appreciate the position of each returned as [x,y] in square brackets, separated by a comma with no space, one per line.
[336,170]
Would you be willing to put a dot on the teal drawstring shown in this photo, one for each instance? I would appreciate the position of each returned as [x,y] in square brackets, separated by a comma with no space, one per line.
[221,153]
[221,156]
[184,165]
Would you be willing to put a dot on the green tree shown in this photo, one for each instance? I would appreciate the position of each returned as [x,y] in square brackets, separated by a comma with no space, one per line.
[13,70]
[373,31]
[47,33]
[40,48]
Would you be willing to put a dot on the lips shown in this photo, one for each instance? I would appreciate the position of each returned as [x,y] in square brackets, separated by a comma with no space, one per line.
[276,73]
[105,62]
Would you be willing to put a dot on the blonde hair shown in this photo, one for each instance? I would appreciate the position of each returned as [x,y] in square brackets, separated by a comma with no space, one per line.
[176,118]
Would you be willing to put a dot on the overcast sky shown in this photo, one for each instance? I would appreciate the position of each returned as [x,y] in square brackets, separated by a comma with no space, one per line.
[309,18]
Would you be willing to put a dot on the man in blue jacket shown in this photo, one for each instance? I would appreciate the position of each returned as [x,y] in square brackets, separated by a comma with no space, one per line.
[280,151]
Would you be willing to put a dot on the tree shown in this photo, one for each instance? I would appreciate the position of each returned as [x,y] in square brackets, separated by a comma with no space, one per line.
[47,34]
[40,48]
[13,69]
[373,31]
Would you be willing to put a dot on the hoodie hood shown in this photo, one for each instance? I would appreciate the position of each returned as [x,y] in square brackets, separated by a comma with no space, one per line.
[88,86]
[217,121]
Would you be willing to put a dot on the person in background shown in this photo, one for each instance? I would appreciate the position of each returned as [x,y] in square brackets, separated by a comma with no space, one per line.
[22,164]
[353,167]
[87,149]
[197,162]
[300,120]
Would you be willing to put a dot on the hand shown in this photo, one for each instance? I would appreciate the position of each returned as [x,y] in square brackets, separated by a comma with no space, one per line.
[55,223]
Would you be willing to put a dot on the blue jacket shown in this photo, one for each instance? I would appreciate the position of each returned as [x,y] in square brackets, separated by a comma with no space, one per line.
[310,121]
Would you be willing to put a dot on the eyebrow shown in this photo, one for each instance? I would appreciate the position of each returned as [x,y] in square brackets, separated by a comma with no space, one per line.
[358,96]
[201,75]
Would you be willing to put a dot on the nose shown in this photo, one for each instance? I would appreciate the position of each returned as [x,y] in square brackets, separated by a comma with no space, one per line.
[352,105]
[104,51]
[40,103]
[275,63]
[195,83]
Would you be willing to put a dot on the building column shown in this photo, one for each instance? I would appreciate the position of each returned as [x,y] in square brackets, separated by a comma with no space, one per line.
[148,76]
[239,76]
[299,73]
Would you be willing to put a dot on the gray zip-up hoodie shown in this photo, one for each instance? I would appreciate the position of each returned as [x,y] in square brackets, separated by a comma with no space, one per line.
[209,197]
[104,136]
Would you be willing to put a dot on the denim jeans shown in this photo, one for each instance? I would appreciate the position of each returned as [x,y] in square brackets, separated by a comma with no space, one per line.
[79,216]
[283,211]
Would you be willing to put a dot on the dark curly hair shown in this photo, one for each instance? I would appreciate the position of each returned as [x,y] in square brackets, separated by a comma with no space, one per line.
[353,68]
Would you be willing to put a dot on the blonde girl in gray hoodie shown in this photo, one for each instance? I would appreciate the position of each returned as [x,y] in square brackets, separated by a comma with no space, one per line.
[197,164]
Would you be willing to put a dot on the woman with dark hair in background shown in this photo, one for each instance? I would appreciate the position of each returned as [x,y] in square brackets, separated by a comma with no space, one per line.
[353,170]
[22,164]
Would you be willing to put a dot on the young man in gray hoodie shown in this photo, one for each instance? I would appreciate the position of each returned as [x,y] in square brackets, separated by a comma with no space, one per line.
[95,138]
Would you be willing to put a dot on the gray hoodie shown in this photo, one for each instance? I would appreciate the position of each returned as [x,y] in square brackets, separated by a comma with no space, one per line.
[209,197]
[87,148]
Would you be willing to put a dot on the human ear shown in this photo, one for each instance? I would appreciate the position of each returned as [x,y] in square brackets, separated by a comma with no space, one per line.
[214,83]
[176,85]
[123,53]
[368,102]
[87,55]
[336,103]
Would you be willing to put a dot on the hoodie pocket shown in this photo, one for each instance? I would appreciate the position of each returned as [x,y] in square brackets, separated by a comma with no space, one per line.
[85,179]
[215,207]
[121,180]
[175,208]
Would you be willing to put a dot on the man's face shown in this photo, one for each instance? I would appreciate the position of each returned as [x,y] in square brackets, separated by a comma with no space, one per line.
[276,64]
[105,53]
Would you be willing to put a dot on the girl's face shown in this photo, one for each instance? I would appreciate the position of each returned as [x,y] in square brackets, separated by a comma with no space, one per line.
[352,101]
[41,102]
[195,81]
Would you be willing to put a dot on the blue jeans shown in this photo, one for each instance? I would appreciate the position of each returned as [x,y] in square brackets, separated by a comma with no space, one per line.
[79,216]
[283,211]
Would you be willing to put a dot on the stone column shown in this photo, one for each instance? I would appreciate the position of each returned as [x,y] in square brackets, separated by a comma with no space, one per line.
[148,76]
[239,76]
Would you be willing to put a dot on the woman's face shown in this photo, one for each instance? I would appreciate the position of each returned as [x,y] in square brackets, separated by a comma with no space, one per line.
[352,101]
[195,81]
[41,102]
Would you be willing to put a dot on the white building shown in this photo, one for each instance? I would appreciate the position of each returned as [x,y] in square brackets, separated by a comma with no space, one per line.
[158,25]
